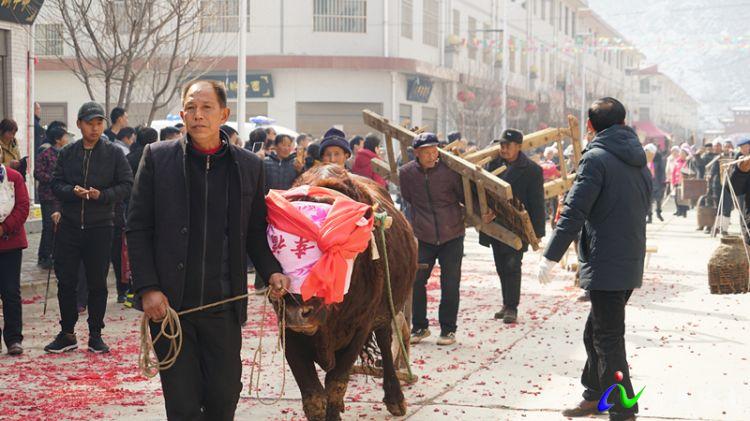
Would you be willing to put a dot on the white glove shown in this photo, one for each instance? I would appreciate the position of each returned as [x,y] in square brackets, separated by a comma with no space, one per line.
[544,274]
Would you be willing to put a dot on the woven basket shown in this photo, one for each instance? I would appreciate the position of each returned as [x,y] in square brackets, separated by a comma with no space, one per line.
[728,267]
[706,215]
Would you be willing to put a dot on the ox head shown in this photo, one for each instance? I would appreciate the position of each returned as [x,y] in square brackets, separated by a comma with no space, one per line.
[307,317]
[302,317]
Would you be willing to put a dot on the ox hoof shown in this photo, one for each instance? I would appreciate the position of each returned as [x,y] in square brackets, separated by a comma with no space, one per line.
[315,408]
[398,409]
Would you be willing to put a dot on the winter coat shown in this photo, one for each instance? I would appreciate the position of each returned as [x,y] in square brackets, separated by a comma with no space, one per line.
[280,173]
[676,176]
[741,185]
[606,209]
[659,176]
[526,181]
[434,198]
[14,233]
[104,167]
[363,167]
[43,173]
[158,221]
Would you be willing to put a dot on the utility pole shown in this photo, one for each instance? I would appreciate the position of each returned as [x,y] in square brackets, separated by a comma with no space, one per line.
[242,72]
[506,64]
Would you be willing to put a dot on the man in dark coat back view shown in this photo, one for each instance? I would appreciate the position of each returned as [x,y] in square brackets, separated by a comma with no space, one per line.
[607,207]
[526,179]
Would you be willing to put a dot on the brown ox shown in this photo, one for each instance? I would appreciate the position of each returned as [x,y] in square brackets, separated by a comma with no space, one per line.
[335,336]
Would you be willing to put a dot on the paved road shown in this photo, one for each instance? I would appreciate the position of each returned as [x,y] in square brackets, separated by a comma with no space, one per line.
[689,348]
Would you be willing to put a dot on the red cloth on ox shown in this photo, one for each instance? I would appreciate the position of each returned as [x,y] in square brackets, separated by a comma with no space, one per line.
[340,237]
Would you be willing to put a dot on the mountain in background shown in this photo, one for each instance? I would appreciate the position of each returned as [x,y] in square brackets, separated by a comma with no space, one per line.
[695,42]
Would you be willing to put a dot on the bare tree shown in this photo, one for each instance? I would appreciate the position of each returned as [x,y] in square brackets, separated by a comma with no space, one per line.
[478,115]
[126,50]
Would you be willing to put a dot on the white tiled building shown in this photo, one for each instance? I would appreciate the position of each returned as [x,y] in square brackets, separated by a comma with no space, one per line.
[16,66]
[316,63]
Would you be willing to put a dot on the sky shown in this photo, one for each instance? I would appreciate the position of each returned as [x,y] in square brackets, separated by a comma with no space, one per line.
[698,43]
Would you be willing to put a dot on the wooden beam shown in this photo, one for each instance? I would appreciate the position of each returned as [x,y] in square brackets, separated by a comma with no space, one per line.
[575,136]
[540,138]
[482,195]
[391,156]
[468,197]
[499,170]
[496,231]
[382,169]
[557,186]
[495,186]
[492,151]
[484,161]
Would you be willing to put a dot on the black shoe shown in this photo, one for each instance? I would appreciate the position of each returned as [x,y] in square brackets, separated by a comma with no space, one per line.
[500,314]
[510,316]
[63,342]
[658,215]
[120,298]
[97,345]
[649,219]
[15,349]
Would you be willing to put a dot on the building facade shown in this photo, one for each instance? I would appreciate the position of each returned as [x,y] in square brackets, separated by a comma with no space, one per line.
[436,64]
[16,68]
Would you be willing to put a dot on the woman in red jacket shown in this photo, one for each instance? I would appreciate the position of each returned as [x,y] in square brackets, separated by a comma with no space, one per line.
[12,241]
[362,164]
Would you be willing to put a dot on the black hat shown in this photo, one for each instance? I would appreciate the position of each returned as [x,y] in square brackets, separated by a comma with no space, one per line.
[452,137]
[425,139]
[511,135]
[335,137]
[90,111]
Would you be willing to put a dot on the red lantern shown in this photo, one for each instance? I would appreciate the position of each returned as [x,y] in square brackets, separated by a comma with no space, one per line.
[543,126]
[496,102]
[461,96]
[530,107]
[512,104]
[470,96]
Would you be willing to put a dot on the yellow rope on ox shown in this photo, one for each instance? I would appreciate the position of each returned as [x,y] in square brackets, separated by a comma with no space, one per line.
[258,355]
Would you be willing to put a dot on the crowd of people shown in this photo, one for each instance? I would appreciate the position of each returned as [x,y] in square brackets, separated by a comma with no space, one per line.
[123,191]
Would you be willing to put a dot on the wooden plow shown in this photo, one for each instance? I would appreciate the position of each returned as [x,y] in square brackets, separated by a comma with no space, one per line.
[484,190]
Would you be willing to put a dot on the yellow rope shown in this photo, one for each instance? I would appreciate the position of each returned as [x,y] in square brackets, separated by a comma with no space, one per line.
[171,330]
[258,356]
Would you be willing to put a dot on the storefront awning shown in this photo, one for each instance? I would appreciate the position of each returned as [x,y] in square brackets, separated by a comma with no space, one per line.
[648,130]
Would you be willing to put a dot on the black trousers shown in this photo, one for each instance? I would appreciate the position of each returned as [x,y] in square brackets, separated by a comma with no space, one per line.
[508,266]
[204,383]
[91,246]
[604,338]
[117,260]
[10,293]
[450,255]
[47,241]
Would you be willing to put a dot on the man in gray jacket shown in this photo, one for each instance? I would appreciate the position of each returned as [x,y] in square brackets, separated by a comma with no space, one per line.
[606,209]
[434,194]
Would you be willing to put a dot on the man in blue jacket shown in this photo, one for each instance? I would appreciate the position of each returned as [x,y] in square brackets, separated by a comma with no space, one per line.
[607,208]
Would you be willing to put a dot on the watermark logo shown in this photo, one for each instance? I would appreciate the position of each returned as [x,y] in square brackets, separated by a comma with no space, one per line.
[626,402]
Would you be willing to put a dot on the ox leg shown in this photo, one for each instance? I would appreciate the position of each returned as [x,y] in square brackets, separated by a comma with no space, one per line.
[338,378]
[394,397]
[299,356]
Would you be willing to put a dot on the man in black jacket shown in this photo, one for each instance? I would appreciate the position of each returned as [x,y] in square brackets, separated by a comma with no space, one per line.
[526,179]
[197,210]
[607,208]
[90,177]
